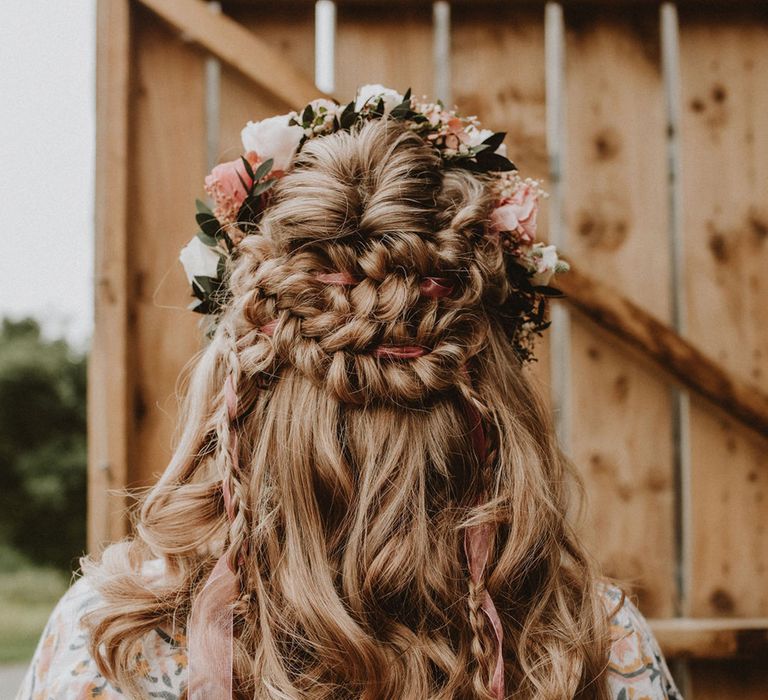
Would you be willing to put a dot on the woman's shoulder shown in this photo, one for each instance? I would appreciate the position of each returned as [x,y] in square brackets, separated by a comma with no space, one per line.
[636,667]
[62,666]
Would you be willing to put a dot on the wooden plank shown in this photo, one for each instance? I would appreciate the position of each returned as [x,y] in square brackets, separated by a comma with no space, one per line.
[285,28]
[724,146]
[237,47]
[724,65]
[672,354]
[166,174]
[616,214]
[687,638]
[375,45]
[508,52]
[108,380]
[728,680]
[518,4]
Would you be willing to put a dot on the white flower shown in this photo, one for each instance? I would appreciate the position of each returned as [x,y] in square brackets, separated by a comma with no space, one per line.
[273,138]
[329,105]
[199,260]
[370,94]
[477,136]
[546,262]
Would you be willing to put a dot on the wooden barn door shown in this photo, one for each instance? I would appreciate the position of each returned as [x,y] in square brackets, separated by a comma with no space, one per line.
[647,124]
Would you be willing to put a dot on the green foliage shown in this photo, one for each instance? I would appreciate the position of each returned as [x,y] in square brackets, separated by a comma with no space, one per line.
[27,595]
[42,445]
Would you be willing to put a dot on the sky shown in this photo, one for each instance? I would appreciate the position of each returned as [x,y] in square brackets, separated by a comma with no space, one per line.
[47,69]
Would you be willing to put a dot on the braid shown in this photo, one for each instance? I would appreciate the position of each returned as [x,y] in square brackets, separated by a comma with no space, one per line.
[479,646]
[235,493]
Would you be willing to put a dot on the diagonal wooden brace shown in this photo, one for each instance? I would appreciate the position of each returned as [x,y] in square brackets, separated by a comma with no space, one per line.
[671,353]
[674,355]
[239,48]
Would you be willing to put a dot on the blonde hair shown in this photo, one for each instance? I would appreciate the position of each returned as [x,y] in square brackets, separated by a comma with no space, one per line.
[357,476]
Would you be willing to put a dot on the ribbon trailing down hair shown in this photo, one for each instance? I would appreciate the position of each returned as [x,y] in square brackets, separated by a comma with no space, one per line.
[211,625]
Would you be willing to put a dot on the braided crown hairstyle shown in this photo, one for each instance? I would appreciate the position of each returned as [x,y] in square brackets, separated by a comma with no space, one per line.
[348,461]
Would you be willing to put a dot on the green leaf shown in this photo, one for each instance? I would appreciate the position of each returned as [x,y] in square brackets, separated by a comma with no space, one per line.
[407,95]
[487,161]
[348,116]
[242,182]
[208,240]
[206,284]
[248,167]
[263,187]
[209,225]
[308,115]
[495,140]
[202,207]
[547,291]
[263,169]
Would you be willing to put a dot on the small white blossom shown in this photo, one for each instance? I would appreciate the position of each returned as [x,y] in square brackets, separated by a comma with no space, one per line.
[370,94]
[199,260]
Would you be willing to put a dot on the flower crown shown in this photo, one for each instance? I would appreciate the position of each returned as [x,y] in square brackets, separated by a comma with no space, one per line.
[240,192]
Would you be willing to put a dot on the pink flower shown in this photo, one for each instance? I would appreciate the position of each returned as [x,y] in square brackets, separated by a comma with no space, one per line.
[518,213]
[224,186]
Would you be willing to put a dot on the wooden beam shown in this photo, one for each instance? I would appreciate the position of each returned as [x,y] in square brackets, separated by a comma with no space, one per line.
[686,638]
[670,352]
[108,367]
[239,48]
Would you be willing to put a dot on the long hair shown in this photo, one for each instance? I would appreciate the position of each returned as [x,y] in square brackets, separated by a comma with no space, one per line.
[356,476]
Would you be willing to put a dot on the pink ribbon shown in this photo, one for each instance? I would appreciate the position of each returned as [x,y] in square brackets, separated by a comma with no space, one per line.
[399,352]
[436,287]
[341,278]
[210,635]
[476,548]
[210,631]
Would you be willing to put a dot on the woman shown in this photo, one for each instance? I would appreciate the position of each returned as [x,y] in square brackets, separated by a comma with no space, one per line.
[367,500]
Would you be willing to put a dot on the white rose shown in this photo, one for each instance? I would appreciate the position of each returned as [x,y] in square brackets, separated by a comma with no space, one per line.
[477,136]
[199,260]
[370,94]
[546,261]
[273,138]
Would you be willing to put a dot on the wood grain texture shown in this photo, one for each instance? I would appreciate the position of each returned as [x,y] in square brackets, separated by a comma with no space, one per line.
[673,355]
[616,213]
[167,169]
[109,396]
[724,144]
[509,55]
[724,141]
[237,47]
[375,45]
[691,638]
[286,29]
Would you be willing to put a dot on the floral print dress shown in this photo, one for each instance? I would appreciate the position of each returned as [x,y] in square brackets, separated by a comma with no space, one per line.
[62,668]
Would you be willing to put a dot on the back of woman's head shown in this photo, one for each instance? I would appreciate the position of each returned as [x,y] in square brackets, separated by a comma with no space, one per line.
[363,406]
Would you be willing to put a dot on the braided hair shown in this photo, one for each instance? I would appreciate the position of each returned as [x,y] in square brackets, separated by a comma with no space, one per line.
[362,357]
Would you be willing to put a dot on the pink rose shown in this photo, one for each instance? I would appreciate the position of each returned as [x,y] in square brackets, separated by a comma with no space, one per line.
[224,186]
[518,214]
